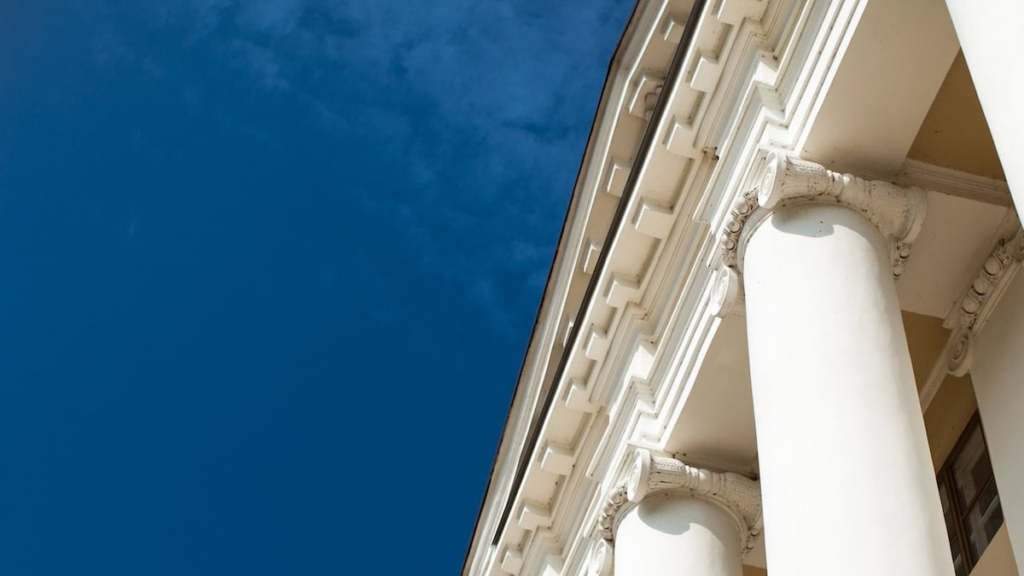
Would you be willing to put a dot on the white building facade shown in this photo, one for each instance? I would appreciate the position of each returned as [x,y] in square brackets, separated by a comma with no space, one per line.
[784,328]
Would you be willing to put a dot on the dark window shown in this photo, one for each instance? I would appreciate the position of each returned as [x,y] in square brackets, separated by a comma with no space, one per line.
[970,501]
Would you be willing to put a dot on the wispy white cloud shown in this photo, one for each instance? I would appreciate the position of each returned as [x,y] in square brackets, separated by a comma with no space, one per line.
[479,108]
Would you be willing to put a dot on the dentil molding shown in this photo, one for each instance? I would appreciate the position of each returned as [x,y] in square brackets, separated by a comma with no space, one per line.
[896,211]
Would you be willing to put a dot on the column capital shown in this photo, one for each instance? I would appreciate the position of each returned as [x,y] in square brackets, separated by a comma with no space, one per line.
[897,212]
[975,303]
[739,495]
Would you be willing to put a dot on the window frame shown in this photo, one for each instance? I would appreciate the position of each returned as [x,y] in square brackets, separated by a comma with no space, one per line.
[946,480]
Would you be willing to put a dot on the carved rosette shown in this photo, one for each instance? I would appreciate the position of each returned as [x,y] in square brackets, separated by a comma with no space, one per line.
[897,212]
[739,495]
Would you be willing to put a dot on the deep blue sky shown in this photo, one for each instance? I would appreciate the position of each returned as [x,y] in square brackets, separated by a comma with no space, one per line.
[268,269]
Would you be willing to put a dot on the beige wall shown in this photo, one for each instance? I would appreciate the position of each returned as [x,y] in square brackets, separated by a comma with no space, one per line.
[954,133]
[926,339]
[753,571]
[996,369]
[998,558]
[947,416]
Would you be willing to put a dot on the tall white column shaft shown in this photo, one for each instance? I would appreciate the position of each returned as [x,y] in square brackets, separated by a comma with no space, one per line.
[997,370]
[677,535]
[847,482]
[990,36]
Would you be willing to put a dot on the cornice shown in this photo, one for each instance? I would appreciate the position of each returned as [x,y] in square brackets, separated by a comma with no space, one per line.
[569,401]
[567,269]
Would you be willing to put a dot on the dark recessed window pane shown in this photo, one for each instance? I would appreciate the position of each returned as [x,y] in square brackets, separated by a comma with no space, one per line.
[972,469]
[950,518]
[970,499]
[983,520]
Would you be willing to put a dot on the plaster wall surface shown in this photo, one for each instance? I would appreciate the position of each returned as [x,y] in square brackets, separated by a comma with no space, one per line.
[947,416]
[997,370]
[954,133]
[998,559]
[926,339]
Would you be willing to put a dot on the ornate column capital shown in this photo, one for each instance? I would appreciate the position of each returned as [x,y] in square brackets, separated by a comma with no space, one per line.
[739,495]
[896,211]
[974,304]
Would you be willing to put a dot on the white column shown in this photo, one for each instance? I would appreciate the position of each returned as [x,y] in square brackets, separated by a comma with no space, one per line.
[684,522]
[997,370]
[846,476]
[990,36]
[675,534]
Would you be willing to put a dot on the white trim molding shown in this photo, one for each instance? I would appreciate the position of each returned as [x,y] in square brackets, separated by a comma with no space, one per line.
[954,183]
